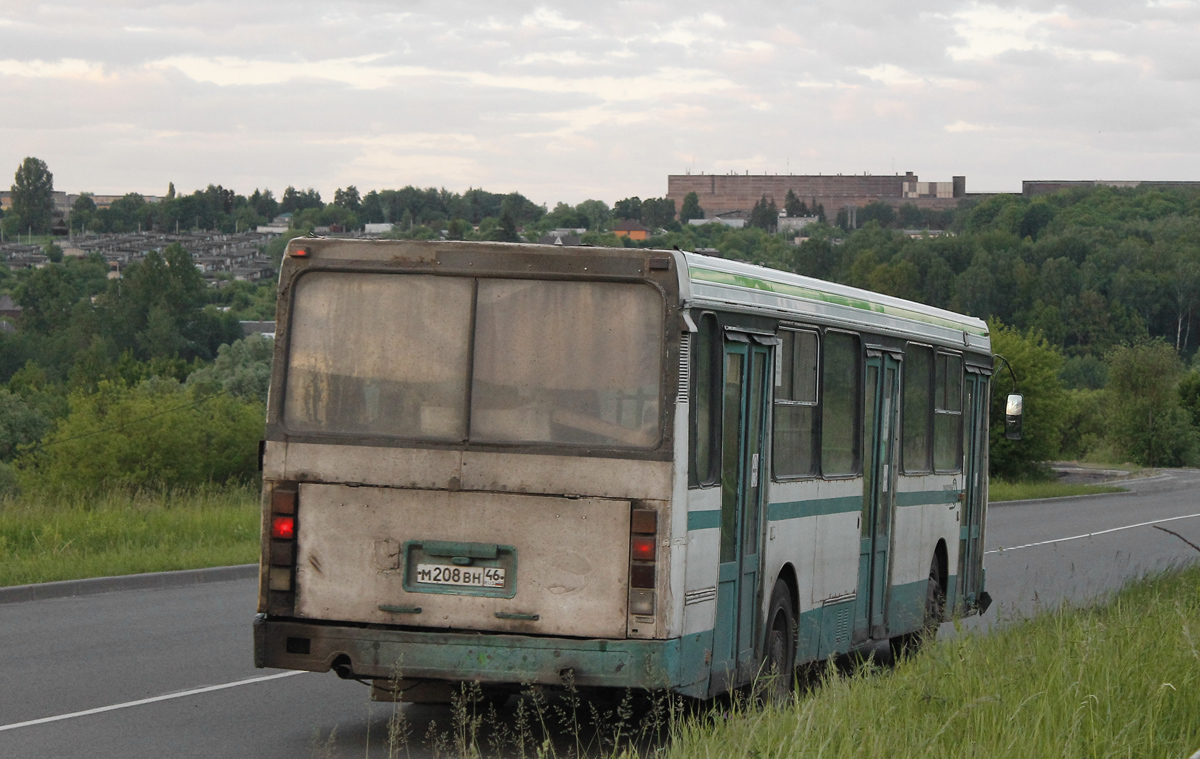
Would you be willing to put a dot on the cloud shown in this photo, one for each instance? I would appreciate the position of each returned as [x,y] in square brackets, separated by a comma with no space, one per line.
[229,71]
[550,19]
[364,73]
[67,68]
[989,30]
[568,101]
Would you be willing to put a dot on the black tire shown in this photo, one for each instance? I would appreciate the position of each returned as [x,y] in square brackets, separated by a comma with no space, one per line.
[935,603]
[779,649]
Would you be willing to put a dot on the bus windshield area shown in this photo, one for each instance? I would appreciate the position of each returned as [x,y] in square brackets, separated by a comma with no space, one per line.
[486,360]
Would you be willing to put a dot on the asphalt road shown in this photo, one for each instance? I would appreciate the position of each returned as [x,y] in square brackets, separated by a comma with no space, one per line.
[64,656]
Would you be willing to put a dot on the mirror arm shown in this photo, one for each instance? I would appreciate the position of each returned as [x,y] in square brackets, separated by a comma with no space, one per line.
[1016,387]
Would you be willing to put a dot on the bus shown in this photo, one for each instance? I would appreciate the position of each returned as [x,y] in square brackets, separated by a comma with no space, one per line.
[513,464]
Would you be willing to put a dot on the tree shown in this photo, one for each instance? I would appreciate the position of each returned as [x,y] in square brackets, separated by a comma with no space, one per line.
[565,216]
[1149,424]
[242,368]
[347,198]
[84,204]
[522,209]
[658,212]
[506,230]
[264,203]
[764,215]
[877,211]
[20,424]
[372,209]
[1036,364]
[691,208]
[294,200]
[794,206]
[628,208]
[48,296]
[156,435]
[33,195]
[597,212]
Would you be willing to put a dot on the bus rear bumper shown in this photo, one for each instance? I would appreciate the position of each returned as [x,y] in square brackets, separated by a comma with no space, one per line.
[449,656]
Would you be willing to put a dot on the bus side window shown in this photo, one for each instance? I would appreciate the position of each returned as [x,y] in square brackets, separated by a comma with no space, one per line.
[705,404]
[918,409]
[947,417]
[841,404]
[794,434]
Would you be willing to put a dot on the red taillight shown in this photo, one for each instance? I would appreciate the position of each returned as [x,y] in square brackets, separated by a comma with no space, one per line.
[643,548]
[283,527]
[300,252]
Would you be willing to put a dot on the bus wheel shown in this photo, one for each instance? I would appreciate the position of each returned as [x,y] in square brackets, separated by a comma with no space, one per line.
[935,603]
[779,653]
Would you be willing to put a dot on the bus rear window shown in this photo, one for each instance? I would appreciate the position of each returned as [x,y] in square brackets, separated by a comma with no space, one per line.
[379,354]
[567,362]
[550,362]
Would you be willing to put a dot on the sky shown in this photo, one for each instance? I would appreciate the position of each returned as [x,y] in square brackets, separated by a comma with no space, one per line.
[574,100]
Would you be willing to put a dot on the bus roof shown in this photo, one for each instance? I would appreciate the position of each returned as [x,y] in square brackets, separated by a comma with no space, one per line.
[724,283]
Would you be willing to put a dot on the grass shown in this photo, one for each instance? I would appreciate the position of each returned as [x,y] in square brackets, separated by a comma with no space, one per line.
[1117,680]
[45,538]
[1002,490]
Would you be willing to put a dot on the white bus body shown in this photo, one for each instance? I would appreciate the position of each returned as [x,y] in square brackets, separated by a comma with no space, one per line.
[516,464]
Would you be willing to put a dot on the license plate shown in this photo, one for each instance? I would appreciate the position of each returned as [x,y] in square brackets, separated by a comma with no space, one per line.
[469,577]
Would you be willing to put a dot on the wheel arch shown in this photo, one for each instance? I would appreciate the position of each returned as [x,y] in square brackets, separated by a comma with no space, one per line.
[941,557]
[787,575]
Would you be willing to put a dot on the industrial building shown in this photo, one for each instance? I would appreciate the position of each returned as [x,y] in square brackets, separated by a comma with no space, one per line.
[725,193]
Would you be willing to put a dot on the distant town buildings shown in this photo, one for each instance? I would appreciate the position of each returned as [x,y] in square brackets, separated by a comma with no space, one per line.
[720,194]
[631,229]
[63,202]
[237,256]
[563,236]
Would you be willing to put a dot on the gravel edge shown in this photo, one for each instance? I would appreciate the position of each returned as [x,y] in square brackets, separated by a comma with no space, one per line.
[151,581]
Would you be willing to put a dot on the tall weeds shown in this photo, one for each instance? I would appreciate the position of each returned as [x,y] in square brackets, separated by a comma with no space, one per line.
[46,537]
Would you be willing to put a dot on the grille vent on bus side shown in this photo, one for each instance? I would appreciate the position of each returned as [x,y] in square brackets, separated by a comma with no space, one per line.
[842,631]
[685,366]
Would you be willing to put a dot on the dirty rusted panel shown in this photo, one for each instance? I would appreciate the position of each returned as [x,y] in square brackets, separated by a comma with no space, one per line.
[352,549]
[602,477]
[370,465]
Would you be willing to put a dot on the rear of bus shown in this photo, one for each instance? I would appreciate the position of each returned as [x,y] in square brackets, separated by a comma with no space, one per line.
[468,465]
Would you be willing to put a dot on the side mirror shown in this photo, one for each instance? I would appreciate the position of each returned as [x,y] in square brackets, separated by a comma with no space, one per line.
[1012,416]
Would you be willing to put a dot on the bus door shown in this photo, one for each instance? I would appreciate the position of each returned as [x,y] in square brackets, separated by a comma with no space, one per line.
[879,484]
[970,569]
[743,469]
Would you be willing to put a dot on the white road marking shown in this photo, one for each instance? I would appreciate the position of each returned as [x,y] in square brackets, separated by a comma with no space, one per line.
[1092,534]
[142,702]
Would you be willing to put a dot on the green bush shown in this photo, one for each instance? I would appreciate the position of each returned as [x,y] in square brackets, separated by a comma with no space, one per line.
[242,368]
[1036,364]
[20,424]
[1148,422]
[1085,426]
[156,435]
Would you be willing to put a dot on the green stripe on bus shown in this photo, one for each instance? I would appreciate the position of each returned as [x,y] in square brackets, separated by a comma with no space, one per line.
[924,497]
[817,507]
[783,288]
[777,512]
[704,520]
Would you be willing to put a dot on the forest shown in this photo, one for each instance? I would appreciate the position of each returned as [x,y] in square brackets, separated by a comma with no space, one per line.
[146,380]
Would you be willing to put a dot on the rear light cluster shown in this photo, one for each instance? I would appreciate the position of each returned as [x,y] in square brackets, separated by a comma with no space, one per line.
[281,568]
[643,555]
